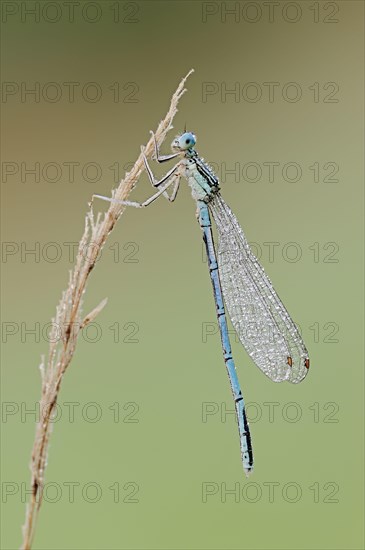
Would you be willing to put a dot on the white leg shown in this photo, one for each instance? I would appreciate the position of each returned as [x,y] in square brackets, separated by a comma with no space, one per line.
[162,158]
[175,190]
[155,183]
[152,179]
[136,204]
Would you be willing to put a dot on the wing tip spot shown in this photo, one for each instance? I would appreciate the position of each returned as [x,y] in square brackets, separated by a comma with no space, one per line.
[290,361]
[306,363]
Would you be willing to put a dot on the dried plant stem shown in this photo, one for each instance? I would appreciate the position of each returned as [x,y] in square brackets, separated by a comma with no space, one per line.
[68,320]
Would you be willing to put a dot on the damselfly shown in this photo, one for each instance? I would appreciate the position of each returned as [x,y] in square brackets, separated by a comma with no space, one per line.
[261,321]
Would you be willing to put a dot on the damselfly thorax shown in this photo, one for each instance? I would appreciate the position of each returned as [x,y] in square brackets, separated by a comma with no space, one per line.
[203,182]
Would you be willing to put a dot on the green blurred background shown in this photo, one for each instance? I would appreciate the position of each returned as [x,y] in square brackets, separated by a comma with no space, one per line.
[148,468]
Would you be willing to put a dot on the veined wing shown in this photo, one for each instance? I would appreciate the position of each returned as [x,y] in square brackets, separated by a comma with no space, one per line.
[260,319]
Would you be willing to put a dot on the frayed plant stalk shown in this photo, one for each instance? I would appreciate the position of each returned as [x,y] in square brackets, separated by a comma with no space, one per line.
[68,322]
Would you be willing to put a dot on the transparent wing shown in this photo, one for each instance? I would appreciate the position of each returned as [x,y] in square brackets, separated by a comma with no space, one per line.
[260,319]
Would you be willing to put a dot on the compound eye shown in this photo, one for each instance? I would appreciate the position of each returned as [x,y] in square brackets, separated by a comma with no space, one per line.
[188,140]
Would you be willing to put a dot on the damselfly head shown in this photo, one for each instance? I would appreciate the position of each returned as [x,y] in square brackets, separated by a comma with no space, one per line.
[185,141]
